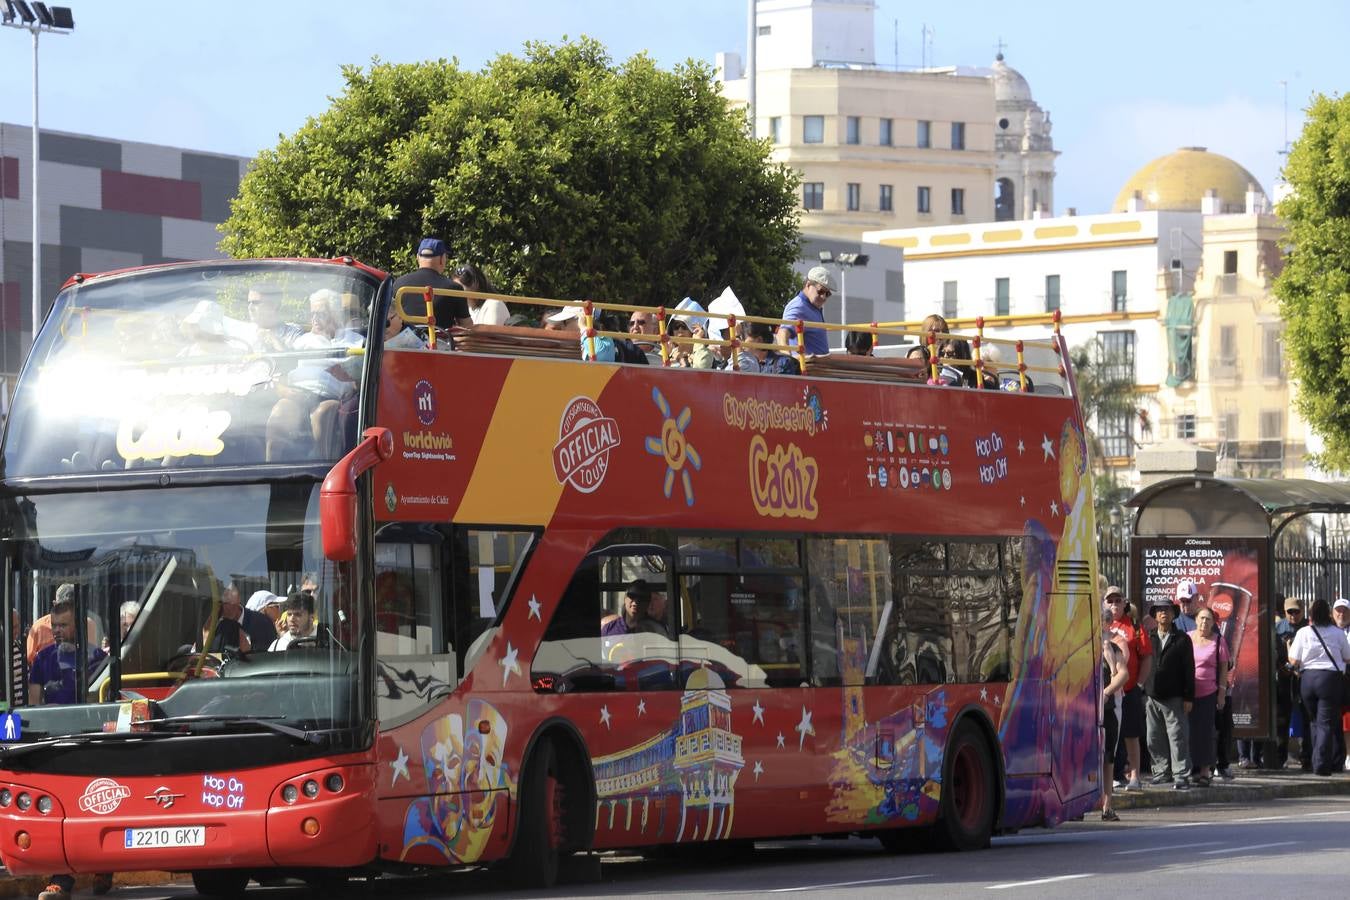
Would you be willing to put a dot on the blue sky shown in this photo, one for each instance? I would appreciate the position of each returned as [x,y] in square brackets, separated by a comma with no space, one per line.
[1123,83]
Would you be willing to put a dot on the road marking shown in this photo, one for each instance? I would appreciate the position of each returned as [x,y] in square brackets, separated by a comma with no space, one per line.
[1014,884]
[835,884]
[1334,812]
[1167,847]
[1262,819]
[1238,850]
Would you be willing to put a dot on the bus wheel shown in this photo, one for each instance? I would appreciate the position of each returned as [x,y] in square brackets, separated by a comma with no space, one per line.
[220,882]
[966,818]
[541,824]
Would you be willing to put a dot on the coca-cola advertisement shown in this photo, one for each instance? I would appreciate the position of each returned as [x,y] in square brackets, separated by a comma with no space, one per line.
[1227,572]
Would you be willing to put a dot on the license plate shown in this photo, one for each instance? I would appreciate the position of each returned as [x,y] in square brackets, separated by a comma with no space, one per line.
[175,836]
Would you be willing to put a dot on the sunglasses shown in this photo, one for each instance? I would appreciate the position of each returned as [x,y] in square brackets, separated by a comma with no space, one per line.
[824,292]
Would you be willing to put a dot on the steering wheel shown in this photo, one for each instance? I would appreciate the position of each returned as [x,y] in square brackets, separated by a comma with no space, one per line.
[314,640]
[206,665]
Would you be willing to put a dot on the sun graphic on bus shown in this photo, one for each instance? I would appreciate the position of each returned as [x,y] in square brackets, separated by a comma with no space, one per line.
[672,444]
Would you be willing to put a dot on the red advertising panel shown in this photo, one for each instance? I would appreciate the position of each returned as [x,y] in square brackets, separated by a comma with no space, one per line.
[1228,574]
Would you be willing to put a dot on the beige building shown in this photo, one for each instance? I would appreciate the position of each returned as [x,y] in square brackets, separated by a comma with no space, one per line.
[1174,286]
[880,147]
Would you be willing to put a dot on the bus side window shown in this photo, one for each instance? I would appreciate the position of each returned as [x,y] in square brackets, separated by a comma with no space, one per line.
[850,590]
[979,630]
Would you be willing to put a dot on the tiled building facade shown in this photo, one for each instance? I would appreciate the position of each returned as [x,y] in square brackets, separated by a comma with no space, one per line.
[105,204]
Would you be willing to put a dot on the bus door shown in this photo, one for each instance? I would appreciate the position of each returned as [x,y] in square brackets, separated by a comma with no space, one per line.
[747,703]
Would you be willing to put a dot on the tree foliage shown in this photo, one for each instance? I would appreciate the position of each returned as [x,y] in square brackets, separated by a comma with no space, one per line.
[1108,396]
[558,172]
[1314,286]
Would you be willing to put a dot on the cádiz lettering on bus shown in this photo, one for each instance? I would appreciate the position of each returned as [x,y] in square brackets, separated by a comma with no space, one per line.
[783,482]
[188,431]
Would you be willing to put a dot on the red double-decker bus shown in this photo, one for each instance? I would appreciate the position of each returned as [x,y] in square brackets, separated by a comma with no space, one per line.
[554,606]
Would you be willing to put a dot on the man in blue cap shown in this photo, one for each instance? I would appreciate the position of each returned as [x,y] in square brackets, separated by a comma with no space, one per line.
[430,272]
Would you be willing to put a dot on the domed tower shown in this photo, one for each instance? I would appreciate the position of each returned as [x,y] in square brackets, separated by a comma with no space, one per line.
[1024,152]
[1191,179]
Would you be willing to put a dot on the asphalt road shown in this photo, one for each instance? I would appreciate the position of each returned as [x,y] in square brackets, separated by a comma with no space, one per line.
[1220,850]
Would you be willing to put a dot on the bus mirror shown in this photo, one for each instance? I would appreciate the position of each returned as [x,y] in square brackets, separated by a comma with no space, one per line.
[337,497]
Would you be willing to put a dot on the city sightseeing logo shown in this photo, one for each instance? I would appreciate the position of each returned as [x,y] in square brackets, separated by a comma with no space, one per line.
[585,439]
[424,401]
[102,796]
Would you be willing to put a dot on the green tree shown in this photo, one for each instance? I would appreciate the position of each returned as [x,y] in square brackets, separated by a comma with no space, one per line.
[1110,402]
[560,173]
[1314,287]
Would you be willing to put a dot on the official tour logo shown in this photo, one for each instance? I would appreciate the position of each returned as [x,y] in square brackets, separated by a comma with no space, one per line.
[585,439]
[102,796]
[424,401]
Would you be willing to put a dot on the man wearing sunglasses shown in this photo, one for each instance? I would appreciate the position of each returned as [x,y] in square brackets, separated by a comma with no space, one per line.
[807,306]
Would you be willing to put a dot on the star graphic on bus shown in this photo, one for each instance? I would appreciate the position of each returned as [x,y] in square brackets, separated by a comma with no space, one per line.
[674,447]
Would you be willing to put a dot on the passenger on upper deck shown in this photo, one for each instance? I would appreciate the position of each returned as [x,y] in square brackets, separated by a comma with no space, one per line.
[204,331]
[768,362]
[566,319]
[271,333]
[807,306]
[430,272]
[483,311]
[858,343]
[323,322]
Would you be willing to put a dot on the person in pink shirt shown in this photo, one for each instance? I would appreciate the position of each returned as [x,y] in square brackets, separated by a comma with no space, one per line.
[1211,681]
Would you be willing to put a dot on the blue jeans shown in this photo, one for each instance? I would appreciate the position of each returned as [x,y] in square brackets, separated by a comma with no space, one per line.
[1321,690]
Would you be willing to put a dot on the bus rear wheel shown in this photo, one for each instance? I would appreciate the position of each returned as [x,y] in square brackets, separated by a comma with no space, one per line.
[223,883]
[969,794]
[541,838]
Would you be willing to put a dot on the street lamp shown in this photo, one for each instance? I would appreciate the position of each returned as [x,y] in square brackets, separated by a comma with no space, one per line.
[845,262]
[37,18]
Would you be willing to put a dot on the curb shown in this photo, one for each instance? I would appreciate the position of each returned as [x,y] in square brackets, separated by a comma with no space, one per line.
[1249,790]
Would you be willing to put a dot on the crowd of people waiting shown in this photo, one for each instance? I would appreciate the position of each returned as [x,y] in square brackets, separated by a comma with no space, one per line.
[1166,677]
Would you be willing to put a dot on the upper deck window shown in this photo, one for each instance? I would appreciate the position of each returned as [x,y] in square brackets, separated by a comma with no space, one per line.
[198,366]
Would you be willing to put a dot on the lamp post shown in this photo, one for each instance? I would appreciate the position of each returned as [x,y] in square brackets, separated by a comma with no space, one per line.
[36,18]
[845,261]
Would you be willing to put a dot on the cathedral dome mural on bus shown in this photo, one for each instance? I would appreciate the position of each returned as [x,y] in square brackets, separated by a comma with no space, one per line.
[1179,181]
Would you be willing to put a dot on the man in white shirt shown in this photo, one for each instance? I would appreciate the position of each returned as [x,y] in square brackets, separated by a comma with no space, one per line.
[300,621]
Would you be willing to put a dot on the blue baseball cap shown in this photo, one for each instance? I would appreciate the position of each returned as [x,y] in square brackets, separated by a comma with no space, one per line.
[431,247]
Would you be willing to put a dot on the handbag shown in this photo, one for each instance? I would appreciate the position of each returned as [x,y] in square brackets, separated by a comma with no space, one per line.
[1345,673]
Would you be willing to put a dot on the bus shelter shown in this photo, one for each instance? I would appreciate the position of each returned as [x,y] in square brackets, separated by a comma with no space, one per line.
[1242,541]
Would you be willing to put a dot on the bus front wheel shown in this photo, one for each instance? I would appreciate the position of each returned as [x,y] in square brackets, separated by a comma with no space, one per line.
[222,883]
[969,793]
[540,837]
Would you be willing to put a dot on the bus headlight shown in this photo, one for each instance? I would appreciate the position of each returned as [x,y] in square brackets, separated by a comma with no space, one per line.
[6,797]
[334,783]
[311,788]
[24,801]
[44,804]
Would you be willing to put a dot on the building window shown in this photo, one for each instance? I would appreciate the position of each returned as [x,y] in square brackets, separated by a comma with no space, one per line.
[813,195]
[1186,426]
[852,129]
[1051,293]
[1225,365]
[1272,355]
[885,139]
[776,129]
[958,201]
[1117,356]
[764,30]
[1115,429]
[949,299]
[925,199]
[1118,293]
[1002,297]
[813,129]
[958,135]
[925,136]
[854,196]
[884,202]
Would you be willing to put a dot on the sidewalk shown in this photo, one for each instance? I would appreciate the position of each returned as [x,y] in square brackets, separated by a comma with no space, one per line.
[1248,786]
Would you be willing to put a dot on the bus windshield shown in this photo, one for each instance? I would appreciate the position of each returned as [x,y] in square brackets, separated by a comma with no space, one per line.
[197,602]
[210,365]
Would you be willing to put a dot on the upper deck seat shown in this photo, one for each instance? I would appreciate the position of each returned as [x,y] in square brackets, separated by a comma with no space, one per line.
[513,340]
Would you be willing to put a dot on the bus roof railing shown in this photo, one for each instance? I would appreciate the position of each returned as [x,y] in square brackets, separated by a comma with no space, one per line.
[587,310]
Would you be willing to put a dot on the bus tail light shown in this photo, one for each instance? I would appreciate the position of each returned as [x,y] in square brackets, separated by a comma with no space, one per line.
[310,826]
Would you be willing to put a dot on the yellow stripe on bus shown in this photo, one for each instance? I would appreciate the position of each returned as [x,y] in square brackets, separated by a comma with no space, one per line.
[514,473]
